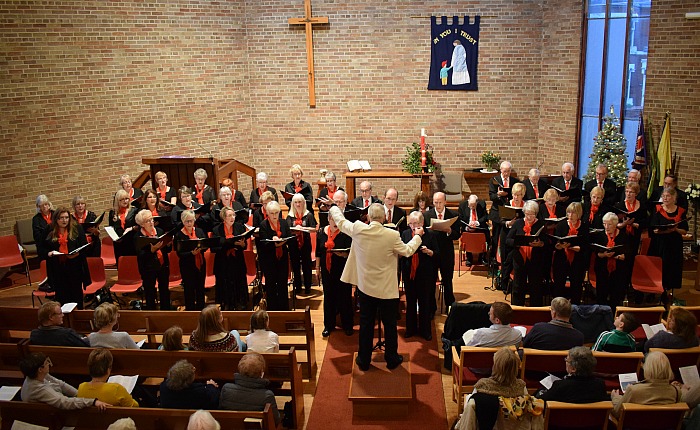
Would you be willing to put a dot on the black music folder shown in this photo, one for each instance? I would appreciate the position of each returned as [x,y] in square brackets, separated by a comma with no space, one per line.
[96,223]
[190,245]
[510,212]
[166,238]
[617,249]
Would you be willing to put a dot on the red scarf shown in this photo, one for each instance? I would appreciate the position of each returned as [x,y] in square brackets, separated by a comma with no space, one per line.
[264,212]
[594,210]
[154,233]
[612,263]
[630,209]
[261,190]
[154,212]
[573,231]
[331,192]
[537,193]
[298,220]
[297,188]
[330,244]
[47,218]
[122,217]
[679,215]
[193,236]
[63,242]
[131,193]
[414,260]
[229,234]
[163,192]
[526,251]
[522,203]
[278,229]
[552,211]
[200,194]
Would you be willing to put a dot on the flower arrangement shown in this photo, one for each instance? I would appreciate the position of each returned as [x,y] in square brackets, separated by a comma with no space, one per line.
[490,159]
[693,192]
[412,162]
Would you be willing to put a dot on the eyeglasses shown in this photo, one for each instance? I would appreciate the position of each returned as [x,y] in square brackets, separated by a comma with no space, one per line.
[47,363]
[566,360]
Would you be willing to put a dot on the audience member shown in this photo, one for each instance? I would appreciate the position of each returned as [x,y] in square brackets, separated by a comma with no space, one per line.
[655,389]
[40,387]
[100,367]
[203,420]
[500,333]
[579,385]
[504,379]
[180,391]
[172,340]
[261,339]
[619,339]
[249,391]
[106,316]
[123,424]
[557,334]
[681,326]
[210,334]
[51,331]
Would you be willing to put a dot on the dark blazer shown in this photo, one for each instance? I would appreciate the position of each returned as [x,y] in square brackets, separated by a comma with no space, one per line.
[137,193]
[558,182]
[266,250]
[444,241]
[255,197]
[178,209]
[396,214]
[148,261]
[597,221]
[198,396]
[215,213]
[324,192]
[577,389]
[427,265]
[542,187]
[39,230]
[610,191]
[357,201]
[208,195]
[465,213]
[496,182]
[306,191]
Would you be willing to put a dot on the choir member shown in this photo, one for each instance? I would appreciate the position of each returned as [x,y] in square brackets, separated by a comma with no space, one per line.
[567,181]
[518,192]
[601,180]
[41,223]
[193,266]
[635,176]
[472,213]
[274,258]
[68,274]
[365,198]
[226,201]
[549,211]
[261,213]
[527,260]
[261,183]
[571,261]
[535,187]
[299,186]
[237,195]
[421,202]
[594,208]
[150,202]
[82,215]
[185,203]
[419,276]
[331,186]
[633,220]
[153,261]
[165,193]
[445,241]
[670,181]
[667,243]
[337,295]
[610,269]
[229,263]
[125,183]
[203,193]
[300,252]
[394,214]
[119,221]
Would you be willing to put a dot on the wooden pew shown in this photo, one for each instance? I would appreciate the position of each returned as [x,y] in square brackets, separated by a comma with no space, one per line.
[294,328]
[220,366]
[22,320]
[10,356]
[145,418]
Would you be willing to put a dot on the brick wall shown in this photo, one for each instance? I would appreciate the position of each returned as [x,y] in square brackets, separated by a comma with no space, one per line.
[89,88]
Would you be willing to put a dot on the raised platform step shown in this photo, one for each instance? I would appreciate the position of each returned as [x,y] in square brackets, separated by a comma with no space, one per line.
[380,392]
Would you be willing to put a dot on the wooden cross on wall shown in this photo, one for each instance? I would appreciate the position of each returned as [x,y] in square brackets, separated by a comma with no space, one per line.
[309,21]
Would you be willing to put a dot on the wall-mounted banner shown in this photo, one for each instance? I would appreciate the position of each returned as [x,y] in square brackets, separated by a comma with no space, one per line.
[454,54]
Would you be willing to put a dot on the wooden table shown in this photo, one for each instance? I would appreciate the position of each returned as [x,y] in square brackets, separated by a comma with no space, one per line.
[351,176]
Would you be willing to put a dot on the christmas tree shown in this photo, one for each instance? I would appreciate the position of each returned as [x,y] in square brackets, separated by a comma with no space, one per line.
[610,149]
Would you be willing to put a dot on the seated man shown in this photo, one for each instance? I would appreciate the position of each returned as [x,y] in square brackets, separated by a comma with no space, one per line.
[557,334]
[620,338]
[51,331]
[500,333]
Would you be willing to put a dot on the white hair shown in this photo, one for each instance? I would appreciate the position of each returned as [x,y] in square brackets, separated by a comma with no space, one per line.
[203,420]
[262,176]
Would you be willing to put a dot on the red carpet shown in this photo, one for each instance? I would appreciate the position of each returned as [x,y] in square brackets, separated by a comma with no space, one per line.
[332,410]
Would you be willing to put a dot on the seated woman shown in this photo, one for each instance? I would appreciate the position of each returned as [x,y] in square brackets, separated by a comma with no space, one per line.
[249,391]
[681,325]
[579,385]
[261,339]
[106,317]
[82,215]
[655,389]
[100,367]
[180,391]
[40,387]
[210,334]
[172,340]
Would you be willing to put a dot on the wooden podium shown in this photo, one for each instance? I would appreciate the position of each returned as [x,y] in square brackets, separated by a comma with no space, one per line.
[180,171]
[379,392]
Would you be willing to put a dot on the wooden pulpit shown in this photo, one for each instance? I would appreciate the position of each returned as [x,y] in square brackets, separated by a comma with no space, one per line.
[180,170]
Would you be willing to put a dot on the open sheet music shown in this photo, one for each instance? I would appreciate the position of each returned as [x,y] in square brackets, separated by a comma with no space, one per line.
[359,165]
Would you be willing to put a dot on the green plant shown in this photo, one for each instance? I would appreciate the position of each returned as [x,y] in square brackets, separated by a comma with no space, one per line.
[490,159]
[412,162]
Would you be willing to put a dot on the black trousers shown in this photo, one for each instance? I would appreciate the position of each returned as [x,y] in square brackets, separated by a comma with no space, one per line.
[149,287]
[418,292]
[447,270]
[388,312]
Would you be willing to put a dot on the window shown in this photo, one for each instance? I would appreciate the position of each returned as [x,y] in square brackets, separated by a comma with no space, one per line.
[616,39]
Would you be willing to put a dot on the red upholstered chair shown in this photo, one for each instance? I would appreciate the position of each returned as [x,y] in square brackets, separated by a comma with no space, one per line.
[12,255]
[646,274]
[210,279]
[611,364]
[39,294]
[128,276]
[473,243]
[107,252]
[97,274]
[463,379]
[560,415]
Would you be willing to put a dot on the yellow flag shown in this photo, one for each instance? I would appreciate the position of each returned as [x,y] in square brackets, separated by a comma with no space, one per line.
[664,151]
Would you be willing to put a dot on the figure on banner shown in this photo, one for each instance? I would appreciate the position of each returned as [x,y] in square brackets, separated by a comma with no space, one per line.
[460,74]
[443,72]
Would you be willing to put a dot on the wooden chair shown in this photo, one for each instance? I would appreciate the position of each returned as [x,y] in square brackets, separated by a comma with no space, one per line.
[611,364]
[680,357]
[529,316]
[11,254]
[39,294]
[696,311]
[649,316]
[560,415]
[650,417]
[463,379]
[537,363]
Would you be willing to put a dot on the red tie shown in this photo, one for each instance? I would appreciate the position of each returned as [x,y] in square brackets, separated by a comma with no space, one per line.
[600,184]
[473,211]
[537,193]
[567,185]
[439,216]
[505,183]
[388,215]
[366,203]
[414,261]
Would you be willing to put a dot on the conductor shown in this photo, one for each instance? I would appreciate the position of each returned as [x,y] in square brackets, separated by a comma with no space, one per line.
[372,266]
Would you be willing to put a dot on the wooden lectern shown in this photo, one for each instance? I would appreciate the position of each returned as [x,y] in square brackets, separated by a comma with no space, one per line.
[180,170]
